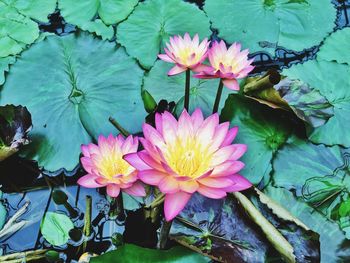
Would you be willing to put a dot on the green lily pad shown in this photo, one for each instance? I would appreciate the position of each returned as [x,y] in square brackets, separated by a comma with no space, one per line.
[72,100]
[110,12]
[263,131]
[333,81]
[172,88]
[15,123]
[336,47]
[320,176]
[17,27]
[147,29]
[4,67]
[55,228]
[332,240]
[294,24]
[130,253]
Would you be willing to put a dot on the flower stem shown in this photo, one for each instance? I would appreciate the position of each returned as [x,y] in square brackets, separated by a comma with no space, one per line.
[187,89]
[157,201]
[164,233]
[218,97]
[119,127]
[87,220]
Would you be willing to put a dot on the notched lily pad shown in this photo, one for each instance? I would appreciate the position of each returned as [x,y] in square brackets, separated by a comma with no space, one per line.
[72,101]
[263,130]
[293,95]
[55,228]
[17,27]
[146,30]
[266,24]
[15,123]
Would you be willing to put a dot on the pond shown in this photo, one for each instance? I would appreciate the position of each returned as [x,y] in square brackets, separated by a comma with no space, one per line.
[174,131]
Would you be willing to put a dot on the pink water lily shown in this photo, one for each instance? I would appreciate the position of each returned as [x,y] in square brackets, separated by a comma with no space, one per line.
[228,64]
[105,166]
[186,53]
[190,155]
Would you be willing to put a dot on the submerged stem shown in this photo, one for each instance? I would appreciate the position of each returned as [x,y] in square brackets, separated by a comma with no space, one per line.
[164,233]
[218,97]
[187,89]
[157,201]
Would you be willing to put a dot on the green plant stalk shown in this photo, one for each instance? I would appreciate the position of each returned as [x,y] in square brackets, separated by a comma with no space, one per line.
[26,256]
[272,234]
[87,220]
[164,233]
[218,97]
[119,127]
[157,201]
[187,89]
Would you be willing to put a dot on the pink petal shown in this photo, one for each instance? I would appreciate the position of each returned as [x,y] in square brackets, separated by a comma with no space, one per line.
[113,190]
[211,192]
[174,203]
[159,123]
[201,68]
[239,150]
[85,150]
[205,75]
[231,84]
[176,70]
[231,135]
[227,168]
[152,177]
[239,183]
[103,145]
[216,182]
[219,135]
[148,160]
[135,161]
[130,145]
[137,189]
[165,58]
[89,181]
[87,164]
[197,118]
[207,129]
[168,185]
[188,186]
[223,154]
[152,135]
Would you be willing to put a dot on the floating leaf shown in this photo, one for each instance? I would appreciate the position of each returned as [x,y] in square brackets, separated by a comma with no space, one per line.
[130,253]
[55,228]
[320,176]
[262,130]
[294,25]
[332,240]
[15,123]
[3,213]
[151,24]
[222,229]
[71,102]
[307,103]
[336,47]
[171,88]
[333,81]
[4,67]
[17,27]
[110,12]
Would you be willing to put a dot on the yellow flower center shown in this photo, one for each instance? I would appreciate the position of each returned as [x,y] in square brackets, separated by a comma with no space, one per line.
[188,158]
[113,164]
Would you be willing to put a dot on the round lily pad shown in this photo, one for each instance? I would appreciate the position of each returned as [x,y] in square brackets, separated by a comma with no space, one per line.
[333,81]
[71,85]
[110,12]
[261,129]
[336,47]
[17,27]
[147,29]
[266,24]
[172,88]
[55,228]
